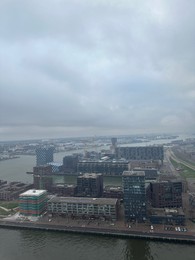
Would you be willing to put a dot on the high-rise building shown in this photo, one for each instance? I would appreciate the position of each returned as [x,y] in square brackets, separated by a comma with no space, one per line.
[114,144]
[33,202]
[70,163]
[134,195]
[43,182]
[90,185]
[43,169]
[44,155]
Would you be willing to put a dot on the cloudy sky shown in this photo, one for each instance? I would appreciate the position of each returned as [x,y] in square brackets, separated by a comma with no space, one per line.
[96,67]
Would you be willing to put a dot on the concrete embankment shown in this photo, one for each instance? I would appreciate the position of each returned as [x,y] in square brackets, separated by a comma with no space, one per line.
[179,238]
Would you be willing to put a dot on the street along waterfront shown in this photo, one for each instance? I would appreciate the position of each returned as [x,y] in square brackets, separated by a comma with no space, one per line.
[115,229]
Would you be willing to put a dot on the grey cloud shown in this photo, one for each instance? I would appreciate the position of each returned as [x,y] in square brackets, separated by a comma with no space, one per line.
[96,66]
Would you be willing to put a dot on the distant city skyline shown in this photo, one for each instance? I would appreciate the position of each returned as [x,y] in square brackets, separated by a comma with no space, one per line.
[85,68]
[144,136]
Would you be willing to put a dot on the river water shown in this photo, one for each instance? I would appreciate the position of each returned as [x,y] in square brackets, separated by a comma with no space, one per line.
[45,245]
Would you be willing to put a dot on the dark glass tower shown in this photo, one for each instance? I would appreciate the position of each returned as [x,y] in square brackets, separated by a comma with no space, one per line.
[134,195]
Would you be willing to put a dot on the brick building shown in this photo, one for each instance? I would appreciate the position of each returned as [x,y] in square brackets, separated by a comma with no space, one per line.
[165,194]
[90,185]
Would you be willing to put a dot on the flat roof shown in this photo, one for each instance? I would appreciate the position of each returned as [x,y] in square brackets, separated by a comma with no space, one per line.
[90,175]
[55,164]
[84,200]
[124,161]
[133,173]
[33,192]
[166,211]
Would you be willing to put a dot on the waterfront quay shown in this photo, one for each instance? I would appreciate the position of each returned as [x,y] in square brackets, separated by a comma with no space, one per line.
[105,228]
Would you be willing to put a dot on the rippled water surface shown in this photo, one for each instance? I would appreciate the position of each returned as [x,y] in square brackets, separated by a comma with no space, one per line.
[39,245]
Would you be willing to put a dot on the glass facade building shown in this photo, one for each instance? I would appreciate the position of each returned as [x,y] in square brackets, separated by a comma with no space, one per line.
[44,155]
[134,195]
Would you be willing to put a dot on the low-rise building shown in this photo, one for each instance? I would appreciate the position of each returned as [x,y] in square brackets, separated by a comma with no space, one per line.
[106,167]
[145,164]
[12,190]
[84,207]
[150,173]
[69,190]
[167,216]
[113,192]
[154,153]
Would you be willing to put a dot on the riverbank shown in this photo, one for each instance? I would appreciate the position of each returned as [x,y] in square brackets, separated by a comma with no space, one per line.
[9,158]
[114,231]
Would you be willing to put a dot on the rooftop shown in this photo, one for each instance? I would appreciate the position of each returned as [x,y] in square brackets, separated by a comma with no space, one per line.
[133,173]
[90,175]
[167,211]
[85,200]
[33,192]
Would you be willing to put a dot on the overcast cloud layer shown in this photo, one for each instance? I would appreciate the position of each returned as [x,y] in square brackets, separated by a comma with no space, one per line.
[96,67]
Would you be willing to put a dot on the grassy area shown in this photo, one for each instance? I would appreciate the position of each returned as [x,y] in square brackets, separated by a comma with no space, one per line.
[9,204]
[183,158]
[175,164]
[185,172]
[4,213]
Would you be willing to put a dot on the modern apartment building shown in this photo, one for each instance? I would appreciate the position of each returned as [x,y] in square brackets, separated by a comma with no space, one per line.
[165,194]
[42,169]
[150,173]
[141,153]
[167,216]
[110,167]
[43,182]
[84,207]
[44,155]
[134,195]
[33,202]
[70,163]
[90,185]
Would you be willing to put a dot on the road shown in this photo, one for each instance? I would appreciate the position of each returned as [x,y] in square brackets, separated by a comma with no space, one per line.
[169,154]
[173,156]
[179,237]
